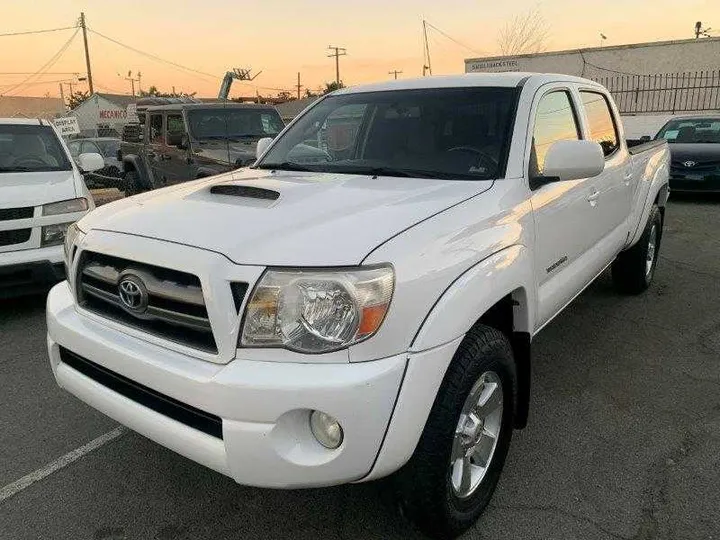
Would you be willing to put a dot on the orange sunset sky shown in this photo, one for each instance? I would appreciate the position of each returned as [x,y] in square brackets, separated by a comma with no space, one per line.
[282,37]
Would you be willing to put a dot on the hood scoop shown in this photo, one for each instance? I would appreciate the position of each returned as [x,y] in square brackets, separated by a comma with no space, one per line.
[248,192]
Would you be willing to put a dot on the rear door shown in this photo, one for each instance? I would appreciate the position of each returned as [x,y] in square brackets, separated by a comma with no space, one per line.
[613,186]
[156,149]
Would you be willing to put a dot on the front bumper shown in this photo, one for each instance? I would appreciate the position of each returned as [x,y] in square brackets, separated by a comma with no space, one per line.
[709,183]
[264,407]
[30,270]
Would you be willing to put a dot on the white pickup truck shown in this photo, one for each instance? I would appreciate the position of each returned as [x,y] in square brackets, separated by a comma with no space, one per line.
[41,192]
[362,300]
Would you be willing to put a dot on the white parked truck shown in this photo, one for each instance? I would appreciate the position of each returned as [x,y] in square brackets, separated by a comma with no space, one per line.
[362,300]
[41,192]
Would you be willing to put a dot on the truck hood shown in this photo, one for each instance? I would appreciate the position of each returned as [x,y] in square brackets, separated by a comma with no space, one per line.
[698,152]
[19,189]
[317,219]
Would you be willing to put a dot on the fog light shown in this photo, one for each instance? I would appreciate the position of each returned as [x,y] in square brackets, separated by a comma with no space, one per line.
[326,429]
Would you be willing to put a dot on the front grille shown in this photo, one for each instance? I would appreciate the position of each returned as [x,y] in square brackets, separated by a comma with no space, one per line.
[17,236]
[6,214]
[172,305]
[147,397]
[699,167]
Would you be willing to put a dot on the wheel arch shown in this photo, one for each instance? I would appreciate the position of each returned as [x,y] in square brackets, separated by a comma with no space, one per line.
[496,292]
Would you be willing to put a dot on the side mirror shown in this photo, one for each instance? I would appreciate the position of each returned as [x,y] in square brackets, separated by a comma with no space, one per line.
[262,145]
[571,160]
[176,139]
[91,162]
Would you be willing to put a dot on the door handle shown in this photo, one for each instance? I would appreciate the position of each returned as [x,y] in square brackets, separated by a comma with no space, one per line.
[593,197]
[628,177]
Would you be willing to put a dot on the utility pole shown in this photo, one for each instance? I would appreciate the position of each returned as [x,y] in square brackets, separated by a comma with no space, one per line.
[132,81]
[298,86]
[426,67]
[394,72]
[62,97]
[87,54]
[339,51]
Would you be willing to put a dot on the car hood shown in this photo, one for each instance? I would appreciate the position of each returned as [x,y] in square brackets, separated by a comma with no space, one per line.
[318,219]
[36,188]
[236,150]
[698,152]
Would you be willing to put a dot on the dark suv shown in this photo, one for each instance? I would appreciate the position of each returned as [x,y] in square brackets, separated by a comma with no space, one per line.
[184,141]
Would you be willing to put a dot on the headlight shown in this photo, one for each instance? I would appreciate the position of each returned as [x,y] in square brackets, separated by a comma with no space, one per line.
[53,235]
[65,207]
[70,235]
[317,311]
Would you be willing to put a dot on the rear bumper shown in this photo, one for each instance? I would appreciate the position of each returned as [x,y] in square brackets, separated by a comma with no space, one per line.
[263,407]
[32,270]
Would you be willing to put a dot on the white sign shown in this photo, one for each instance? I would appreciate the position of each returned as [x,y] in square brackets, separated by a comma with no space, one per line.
[132,113]
[68,125]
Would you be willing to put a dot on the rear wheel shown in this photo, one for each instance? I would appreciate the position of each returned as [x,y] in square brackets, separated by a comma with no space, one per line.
[634,269]
[452,475]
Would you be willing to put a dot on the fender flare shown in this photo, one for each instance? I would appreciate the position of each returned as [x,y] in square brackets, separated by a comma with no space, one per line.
[137,163]
[460,306]
[660,191]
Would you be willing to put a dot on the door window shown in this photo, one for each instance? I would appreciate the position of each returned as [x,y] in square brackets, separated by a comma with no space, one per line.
[175,129]
[89,148]
[600,121]
[555,120]
[156,128]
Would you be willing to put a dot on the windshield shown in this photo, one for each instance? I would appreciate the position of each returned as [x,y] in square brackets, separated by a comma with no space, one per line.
[445,133]
[689,131]
[234,123]
[31,148]
[108,147]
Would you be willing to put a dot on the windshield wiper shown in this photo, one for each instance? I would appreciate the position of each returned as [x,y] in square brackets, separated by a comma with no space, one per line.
[285,166]
[415,173]
[18,169]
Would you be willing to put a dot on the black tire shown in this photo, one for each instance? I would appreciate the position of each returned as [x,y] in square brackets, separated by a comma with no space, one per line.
[424,485]
[132,183]
[630,272]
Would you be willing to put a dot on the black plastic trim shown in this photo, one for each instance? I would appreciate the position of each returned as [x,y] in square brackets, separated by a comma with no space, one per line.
[147,397]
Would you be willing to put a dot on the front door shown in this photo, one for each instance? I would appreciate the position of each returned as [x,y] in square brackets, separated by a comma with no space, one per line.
[156,149]
[566,221]
[178,165]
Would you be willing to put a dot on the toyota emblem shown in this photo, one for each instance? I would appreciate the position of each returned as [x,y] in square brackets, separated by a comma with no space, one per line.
[133,294]
[689,163]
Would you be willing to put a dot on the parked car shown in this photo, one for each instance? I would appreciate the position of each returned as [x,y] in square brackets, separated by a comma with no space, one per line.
[41,193]
[695,153]
[184,141]
[107,147]
[362,301]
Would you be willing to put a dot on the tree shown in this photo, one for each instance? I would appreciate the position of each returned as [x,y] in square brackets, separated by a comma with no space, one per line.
[154,92]
[284,95]
[310,93]
[524,34]
[332,86]
[76,99]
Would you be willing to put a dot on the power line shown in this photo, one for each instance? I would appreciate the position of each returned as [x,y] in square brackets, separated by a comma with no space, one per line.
[46,66]
[454,40]
[149,55]
[37,31]
[34,72]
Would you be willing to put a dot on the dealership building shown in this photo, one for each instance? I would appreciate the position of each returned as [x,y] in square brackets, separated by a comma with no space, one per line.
[649,81]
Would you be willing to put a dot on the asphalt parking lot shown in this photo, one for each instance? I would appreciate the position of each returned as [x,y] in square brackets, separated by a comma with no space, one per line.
[623,440]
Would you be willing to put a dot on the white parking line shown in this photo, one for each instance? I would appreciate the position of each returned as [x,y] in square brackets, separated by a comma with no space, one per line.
[63,461]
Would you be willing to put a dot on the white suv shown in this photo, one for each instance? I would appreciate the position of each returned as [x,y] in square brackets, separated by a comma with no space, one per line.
[41,193]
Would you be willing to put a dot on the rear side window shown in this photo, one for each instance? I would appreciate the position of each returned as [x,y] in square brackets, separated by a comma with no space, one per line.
[156,128]
[555,120]
[600,121]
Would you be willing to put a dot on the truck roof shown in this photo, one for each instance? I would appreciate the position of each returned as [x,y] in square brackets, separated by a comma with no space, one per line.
[217,105]
[507,80]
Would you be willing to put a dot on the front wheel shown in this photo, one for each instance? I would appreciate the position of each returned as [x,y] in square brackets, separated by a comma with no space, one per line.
[634,269]
[452,475]
[132,183]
